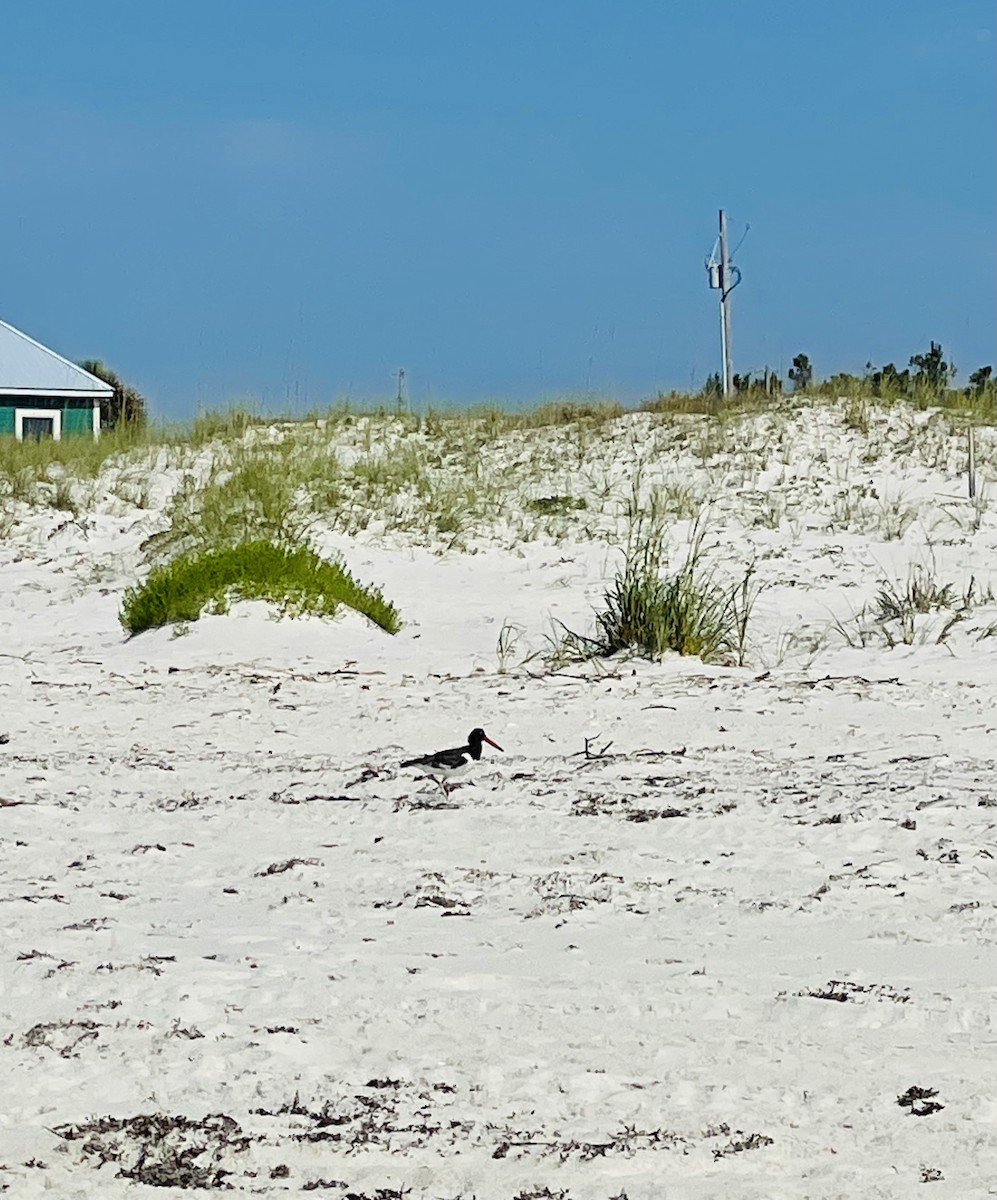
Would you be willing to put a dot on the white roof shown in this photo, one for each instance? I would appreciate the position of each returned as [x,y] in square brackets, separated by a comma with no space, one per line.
[27,368]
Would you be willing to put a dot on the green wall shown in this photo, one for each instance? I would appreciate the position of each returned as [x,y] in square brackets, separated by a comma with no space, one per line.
[77,415]
[77,420]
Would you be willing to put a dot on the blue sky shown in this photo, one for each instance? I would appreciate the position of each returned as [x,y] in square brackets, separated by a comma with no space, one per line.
[512,200]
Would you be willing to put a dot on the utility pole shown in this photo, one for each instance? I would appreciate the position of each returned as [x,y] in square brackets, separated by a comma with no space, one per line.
[724,277]
[725,301]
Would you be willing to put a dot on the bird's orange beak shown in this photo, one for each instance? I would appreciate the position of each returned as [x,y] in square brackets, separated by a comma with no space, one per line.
[491,743]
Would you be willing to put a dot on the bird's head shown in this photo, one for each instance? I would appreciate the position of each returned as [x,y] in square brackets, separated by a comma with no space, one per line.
[478,736]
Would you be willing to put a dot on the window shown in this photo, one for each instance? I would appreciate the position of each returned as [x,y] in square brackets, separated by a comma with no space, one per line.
[33,424]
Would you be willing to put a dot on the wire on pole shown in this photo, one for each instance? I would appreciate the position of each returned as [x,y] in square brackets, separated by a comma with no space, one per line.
[724,277]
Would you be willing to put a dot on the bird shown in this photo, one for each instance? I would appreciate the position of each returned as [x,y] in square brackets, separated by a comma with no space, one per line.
[442,764]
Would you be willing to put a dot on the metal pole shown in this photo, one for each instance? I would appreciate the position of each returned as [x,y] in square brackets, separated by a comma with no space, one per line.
[971,471]
[725,288]
[724,316]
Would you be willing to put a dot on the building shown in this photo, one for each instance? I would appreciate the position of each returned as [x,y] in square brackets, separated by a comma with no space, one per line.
[43,394]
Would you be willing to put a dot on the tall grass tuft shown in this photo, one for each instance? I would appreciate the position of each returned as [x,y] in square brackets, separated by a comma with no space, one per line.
[228,423]
[919,611]
[688,612]
[295,578]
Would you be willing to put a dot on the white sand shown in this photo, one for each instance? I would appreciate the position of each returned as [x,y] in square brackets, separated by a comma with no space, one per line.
[219,895]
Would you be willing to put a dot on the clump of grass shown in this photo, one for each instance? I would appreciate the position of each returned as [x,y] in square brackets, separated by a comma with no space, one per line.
[249,495]
[556,505]
[856,415]
[922,593]
[897,606]
[688,612]
[713,403]
[681,402]
[570,412]
[295,578]
[509,638]
[388,472]
[227,423]
[682,501]
[21,484]
[43,471]
[64,496]
[897,614]
[895,517]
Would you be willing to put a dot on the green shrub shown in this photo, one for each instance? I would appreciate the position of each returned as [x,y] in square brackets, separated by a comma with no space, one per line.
[295,578]
[688,612]
[556,505]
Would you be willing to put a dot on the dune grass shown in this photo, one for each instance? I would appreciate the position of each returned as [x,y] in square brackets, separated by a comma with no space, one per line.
[294,578]
[25,465]
[688,612]
[448,478]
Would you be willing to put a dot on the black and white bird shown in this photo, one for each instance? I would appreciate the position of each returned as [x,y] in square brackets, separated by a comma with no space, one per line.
[442,765]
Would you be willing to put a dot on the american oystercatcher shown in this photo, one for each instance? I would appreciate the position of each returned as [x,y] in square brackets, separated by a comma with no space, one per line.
[442,764]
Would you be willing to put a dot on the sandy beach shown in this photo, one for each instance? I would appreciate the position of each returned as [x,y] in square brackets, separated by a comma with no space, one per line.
[700,931]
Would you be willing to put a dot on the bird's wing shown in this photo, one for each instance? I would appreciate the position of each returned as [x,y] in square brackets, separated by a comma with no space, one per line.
[418,762]
[440,758]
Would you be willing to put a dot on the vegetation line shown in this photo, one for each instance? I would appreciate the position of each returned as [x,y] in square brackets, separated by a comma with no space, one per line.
[295,578]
